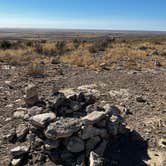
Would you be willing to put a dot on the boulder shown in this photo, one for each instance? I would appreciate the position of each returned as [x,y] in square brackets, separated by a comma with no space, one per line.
[62,128]
[75,145]
[75,106]
[35,110]
[42,120]
[90,132]
[93,117]
[57,101]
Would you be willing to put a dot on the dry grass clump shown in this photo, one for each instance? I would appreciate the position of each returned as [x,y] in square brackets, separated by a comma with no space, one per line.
[49,49]
[17,56]
[80,58]
[83,58]
[36,69]
[123,53]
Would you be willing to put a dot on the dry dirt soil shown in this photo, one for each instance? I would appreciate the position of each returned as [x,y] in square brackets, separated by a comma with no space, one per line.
[118,87]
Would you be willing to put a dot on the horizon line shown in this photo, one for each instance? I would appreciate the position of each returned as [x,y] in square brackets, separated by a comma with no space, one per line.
[82,29]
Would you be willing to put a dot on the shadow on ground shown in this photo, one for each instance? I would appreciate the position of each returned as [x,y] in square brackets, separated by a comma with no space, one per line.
[127,150]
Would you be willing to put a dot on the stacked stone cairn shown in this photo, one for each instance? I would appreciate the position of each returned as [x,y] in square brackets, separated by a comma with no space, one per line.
[68,131]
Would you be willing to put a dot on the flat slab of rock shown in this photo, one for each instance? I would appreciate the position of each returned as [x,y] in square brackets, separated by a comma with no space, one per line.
[19,151]
[63,128]
[93,117]
[42,120]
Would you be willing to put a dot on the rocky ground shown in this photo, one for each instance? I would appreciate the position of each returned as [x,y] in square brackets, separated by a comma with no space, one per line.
[140,96]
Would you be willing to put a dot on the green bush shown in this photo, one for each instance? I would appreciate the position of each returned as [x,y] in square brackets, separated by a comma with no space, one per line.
[5,45]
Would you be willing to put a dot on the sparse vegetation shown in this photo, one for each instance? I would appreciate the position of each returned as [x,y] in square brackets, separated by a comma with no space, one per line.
[5,44]
[60,46]
[89,54]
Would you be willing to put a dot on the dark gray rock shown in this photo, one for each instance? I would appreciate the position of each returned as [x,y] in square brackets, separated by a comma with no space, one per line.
[57,101]
[80,160]
[101,148]
[31,95]
[42,120]
[35,110]
[90,132]
[75,145]
[62,128]
[75,106]
[91,144]
[93,117]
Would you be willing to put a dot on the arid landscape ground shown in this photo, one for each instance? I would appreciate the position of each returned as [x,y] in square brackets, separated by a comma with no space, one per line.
[126,69]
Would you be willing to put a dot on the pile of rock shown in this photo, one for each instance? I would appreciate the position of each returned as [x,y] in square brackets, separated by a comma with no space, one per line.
[69,131]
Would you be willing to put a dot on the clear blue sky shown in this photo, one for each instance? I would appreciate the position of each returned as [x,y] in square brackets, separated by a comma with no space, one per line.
[84,14]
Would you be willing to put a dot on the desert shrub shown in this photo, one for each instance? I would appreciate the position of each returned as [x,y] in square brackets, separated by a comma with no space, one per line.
[124,53]
[38,48]
[5,44]
[29,43]
[49,49]
[17,56]
[60,46]
[93,49]
[76,43]
[143,47]
[99,45]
